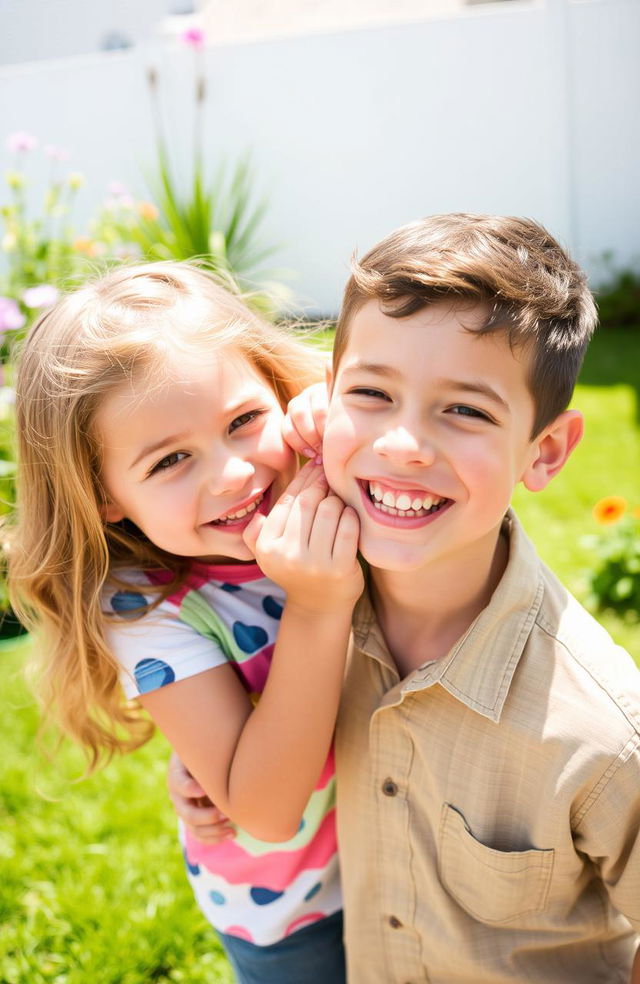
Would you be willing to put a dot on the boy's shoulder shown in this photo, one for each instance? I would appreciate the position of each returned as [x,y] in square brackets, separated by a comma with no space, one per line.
[570,650]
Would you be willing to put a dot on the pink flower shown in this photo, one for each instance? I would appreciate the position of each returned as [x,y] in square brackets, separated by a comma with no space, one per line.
[11,317]
[41,296]
[56,153]
[21,142]
[193,37]
[117,189]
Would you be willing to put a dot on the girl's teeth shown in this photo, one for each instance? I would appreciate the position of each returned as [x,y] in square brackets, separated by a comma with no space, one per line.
[230,517]
[403,502]
[416,504]
[389,499]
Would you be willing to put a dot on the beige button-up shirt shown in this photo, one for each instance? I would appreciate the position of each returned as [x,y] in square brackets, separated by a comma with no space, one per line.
[489,803]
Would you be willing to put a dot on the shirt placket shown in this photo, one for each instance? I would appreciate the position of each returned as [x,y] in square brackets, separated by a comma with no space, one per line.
[392,751]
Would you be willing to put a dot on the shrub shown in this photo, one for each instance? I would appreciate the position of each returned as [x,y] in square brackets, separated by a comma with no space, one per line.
[614,581]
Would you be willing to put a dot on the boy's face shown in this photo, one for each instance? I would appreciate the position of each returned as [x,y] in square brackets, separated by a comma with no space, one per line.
[428,432]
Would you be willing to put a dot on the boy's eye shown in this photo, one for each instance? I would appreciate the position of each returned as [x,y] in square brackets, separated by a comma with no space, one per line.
[243,419]
[169,461]
[370,391]
[462,410]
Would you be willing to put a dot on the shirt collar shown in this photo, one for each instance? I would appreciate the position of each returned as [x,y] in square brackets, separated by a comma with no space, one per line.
[479,668]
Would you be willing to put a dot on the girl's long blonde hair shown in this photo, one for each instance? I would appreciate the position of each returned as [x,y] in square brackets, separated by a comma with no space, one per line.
[128,323]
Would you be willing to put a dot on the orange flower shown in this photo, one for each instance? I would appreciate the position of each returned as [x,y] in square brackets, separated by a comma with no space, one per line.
[610,509]
[84,245]
[148,211]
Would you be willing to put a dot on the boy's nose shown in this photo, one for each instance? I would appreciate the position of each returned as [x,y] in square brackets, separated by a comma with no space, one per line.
[229,475]
[404,445]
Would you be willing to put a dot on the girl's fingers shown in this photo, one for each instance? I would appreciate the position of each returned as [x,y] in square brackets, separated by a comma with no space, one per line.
[300,440]
[180,780]
[252,531]
[345,544]
[304,423]
[310,477]
[212,834]
[325,527]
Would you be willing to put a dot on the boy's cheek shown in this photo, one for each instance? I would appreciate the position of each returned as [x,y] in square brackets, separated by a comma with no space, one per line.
[337,447]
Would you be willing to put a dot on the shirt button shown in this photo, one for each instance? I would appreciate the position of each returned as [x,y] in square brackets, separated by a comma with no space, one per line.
[389,788]
[394,922]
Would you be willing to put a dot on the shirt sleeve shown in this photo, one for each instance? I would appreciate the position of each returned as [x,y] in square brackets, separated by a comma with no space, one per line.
[158,648]
[609,831]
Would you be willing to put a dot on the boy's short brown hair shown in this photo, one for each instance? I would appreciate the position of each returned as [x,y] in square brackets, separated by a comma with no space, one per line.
[537,294]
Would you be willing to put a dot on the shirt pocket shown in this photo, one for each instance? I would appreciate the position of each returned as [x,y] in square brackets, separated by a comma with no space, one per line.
[492,886]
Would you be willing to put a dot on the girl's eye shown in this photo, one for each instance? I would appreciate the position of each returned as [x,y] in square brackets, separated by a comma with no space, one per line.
[243,419]
[169,461]
[464,411]
[369,391]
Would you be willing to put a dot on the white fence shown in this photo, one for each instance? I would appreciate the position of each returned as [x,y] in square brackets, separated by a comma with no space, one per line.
[526,108]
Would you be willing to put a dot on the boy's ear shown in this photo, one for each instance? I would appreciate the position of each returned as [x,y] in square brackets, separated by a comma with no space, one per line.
[552,448]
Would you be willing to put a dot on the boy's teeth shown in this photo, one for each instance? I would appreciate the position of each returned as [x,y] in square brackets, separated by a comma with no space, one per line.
[402,501]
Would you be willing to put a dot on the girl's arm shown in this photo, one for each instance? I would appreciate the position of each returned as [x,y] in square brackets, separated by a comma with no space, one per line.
[259,766]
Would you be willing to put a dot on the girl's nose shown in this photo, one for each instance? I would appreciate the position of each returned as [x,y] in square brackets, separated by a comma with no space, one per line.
[405,446]
[230,475]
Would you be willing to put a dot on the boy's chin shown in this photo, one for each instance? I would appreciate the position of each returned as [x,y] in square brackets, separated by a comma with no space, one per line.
[394,558]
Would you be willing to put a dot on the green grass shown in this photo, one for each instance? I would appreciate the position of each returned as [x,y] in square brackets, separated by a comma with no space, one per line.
[607,462]
[92,887]
[92,884]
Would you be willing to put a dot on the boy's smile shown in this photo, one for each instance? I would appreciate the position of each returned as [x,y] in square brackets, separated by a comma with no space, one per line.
[427,434]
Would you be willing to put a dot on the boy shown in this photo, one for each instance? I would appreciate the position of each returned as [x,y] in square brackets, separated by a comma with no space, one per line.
[488,743]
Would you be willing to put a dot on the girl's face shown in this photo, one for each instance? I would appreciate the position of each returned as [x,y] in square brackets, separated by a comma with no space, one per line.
[189,462]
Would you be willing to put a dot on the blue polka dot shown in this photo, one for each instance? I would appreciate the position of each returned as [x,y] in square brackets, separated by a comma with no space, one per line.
[263,896]
[217,898]
[302,825]
[128,604]
[193,869]
[151,674]
[313,891]
[230,587]
[249,637]
[272,607]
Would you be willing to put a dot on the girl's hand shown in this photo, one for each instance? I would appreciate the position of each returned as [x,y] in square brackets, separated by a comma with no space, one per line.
[303,425]
[203,820]
[308,545]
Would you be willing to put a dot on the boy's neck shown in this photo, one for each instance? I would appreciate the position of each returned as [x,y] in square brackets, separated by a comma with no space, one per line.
[423,613]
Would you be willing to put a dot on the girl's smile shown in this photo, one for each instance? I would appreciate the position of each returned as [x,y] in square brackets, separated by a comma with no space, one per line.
[192,460]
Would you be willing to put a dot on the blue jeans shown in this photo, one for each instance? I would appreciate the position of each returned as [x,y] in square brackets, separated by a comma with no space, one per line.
[313,955]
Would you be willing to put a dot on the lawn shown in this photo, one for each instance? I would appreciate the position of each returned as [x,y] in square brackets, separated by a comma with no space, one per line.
[92,889]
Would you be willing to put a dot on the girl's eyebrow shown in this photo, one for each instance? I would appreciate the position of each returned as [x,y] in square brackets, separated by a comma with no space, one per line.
[158,446]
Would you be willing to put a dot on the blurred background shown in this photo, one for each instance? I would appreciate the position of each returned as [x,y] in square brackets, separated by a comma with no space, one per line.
[271,138]
[358,115]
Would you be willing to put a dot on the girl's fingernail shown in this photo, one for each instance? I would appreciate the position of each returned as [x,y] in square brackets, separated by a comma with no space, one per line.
[308,452]
[317,459]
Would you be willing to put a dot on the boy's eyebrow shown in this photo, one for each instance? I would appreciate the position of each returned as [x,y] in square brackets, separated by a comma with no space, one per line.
[375,368]
[462,385]
[475,386]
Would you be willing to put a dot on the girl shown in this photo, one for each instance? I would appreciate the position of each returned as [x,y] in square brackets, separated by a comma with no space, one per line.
[152,471]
